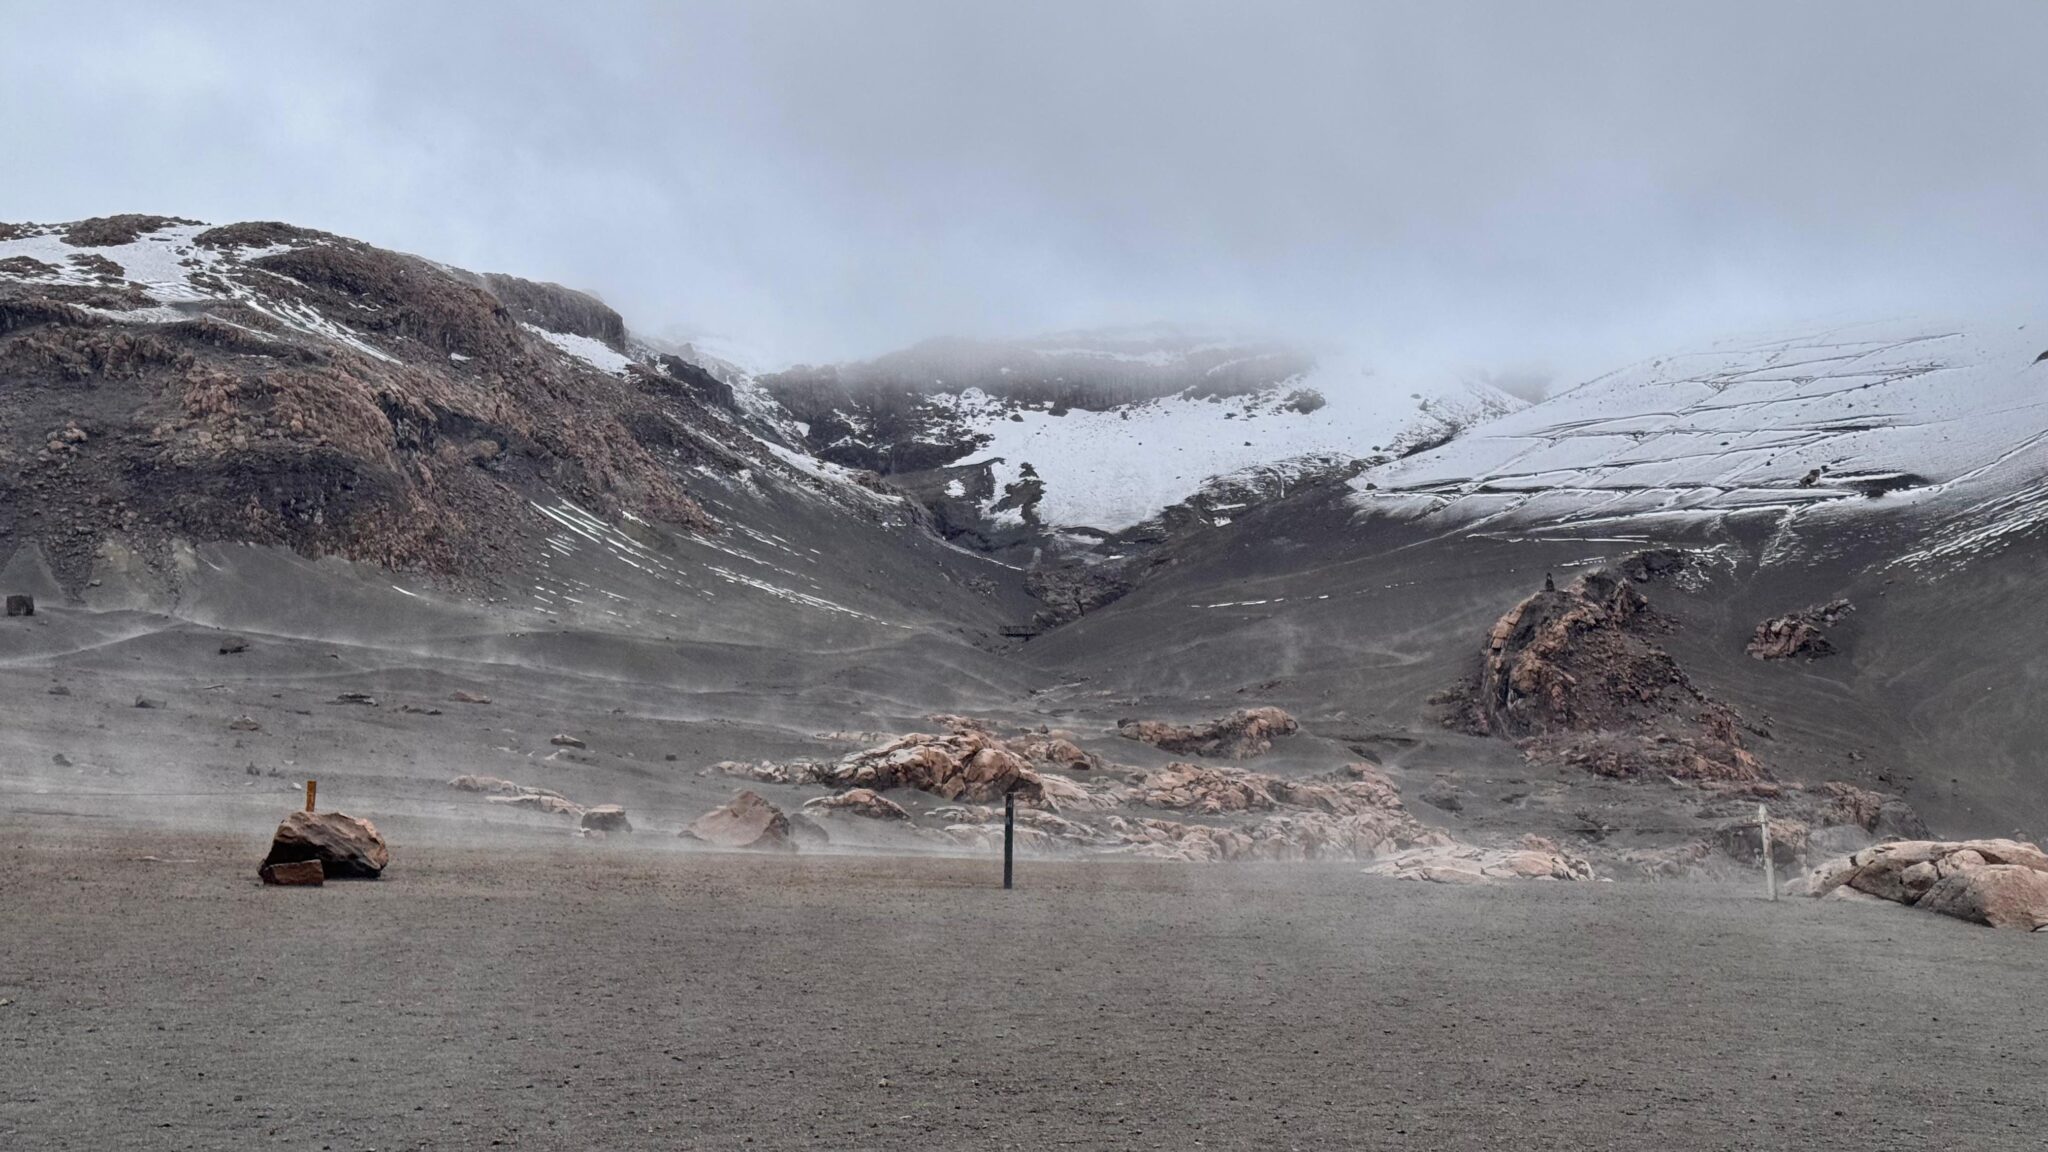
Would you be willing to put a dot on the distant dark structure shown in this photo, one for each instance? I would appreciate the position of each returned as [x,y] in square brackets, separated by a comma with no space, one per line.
[1549,585]
[21,605]
[1019,631]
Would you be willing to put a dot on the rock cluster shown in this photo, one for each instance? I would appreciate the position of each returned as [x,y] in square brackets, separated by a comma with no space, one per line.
[1798,633]
[2002,883]
[600,818]
[1533,859]
[1239,736]
[858,802]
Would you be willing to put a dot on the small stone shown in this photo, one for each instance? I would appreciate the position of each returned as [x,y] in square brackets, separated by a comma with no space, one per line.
[146,702]
[61,760]
[244,724]
[59,690]
[564,740]
[308,873]
[232,645]
[605,818]
[462,697]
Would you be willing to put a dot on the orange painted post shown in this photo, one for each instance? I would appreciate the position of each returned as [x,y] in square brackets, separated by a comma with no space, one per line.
[312,786]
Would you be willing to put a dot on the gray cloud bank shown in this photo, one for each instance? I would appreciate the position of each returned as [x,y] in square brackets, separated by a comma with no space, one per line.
[1525,188]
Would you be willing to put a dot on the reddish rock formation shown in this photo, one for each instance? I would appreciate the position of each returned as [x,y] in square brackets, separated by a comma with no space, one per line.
[296,873]
[858,802]
[964,765]
[1239,736]
[2002,883]
[345,846]
[747,822]
[1798,633]
[1571,674]
[1533,859]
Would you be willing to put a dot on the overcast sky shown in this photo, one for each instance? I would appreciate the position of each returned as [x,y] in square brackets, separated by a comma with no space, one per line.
[1511,187]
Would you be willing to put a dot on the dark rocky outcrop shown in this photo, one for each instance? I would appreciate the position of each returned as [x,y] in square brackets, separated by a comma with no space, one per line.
[1572,674]
[1798,633]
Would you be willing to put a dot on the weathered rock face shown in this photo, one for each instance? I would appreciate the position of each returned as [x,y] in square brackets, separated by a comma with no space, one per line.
[1798,633]
[963,765]
[1572,674]
[1744,841]
[2000,895]
[858,802]
[296,873]
[1239,736]
[605,818]
[1534,859]
[345,846]
[548,802]
[1356,789]
[2002,883]
[747,822]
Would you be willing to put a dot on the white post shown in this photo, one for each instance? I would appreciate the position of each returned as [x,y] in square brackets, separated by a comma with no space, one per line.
[1763,827]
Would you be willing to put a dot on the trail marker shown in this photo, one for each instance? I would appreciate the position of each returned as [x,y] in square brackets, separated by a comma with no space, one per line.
[312,786]
[1009,833]
[1763,827]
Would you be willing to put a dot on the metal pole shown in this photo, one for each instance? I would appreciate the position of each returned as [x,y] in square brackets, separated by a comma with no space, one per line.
[1009,833]
[312,786]
[1763,824]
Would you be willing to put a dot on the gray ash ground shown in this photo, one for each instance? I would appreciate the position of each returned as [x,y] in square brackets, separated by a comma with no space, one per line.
[610,995]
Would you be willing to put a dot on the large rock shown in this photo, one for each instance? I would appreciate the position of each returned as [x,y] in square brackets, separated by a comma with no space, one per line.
[1241,735]
[858,802]
[605,818]
[345,846]
[747,822]
[963,765]
[2001,895]
[2003,883]
[1574,676]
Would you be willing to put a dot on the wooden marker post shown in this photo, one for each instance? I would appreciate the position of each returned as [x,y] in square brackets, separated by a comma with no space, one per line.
[312,786]
[1763,828]
[1009,833]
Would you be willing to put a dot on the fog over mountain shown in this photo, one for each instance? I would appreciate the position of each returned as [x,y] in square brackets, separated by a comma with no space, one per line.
[1456,189]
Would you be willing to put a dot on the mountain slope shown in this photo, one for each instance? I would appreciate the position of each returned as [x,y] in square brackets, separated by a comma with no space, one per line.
[1103,431]
[1948,420]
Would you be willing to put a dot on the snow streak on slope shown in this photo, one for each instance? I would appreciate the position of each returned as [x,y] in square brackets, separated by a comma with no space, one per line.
[1909,411]
[1116,468]
[593,352]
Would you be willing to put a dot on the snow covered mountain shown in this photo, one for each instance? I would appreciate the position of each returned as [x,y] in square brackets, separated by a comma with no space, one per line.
[171,386]
[1946,421]
[1103,431]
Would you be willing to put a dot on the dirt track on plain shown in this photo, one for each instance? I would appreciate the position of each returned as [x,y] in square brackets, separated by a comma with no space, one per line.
[624,996]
